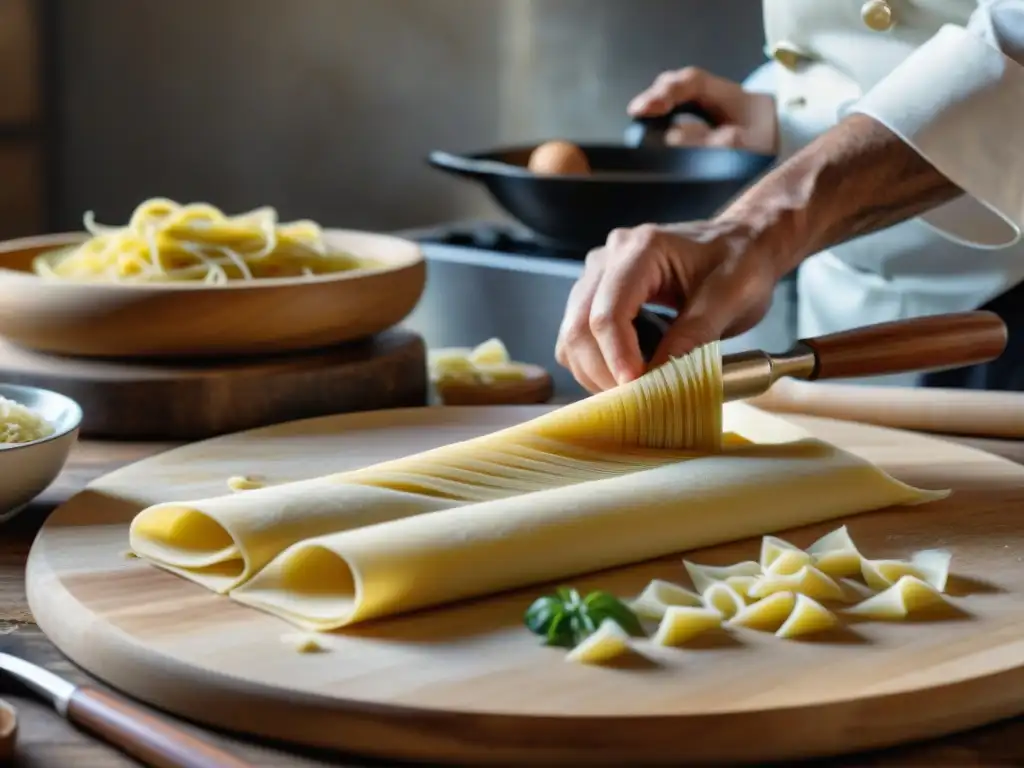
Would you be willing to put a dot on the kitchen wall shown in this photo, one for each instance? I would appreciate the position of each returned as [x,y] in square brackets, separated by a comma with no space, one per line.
[326,108]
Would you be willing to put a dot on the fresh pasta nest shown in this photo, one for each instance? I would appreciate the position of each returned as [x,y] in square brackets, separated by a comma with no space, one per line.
[165,241]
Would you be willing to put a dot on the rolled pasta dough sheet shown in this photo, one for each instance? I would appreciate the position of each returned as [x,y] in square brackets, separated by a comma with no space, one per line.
[440,557]
[221,541]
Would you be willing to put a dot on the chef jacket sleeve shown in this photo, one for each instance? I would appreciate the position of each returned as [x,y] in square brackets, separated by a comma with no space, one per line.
[958,100]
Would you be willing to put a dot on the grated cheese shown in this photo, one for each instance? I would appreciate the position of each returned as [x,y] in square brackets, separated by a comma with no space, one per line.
[19,424]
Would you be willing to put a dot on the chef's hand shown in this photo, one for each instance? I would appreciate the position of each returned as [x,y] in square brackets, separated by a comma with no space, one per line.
[746,120]
[714,273]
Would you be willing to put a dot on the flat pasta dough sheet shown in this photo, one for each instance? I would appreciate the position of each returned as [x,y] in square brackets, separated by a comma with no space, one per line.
[652,468]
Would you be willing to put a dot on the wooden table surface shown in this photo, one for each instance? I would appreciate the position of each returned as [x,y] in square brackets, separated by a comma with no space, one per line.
[46,741]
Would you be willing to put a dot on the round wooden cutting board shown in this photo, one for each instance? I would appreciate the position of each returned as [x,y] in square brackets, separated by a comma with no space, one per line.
[197,399]
[469,684]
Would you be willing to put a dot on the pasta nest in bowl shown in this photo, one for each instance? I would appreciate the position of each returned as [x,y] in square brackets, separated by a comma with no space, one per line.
[186,280]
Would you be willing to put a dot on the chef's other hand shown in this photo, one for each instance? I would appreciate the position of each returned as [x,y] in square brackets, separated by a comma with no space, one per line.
[714,273]
[746,120]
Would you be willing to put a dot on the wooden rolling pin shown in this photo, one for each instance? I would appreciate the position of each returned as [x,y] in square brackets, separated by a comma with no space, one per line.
[929,343]
[947,411]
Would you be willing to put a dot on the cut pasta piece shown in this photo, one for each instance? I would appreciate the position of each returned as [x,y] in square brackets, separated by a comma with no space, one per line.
[855,590]
[807,581]
[724,599]
[768,614]
[703,576]
[244,483]
[682,623]
[934,565]
[907,595]
[608,642]
[838,563]
[835,554]
[772,547]
[882,574]
[449,368]
[837,540]
[929,565]
[304,642]
[491,372]
[788,562]
[742,584]
[808,617]
[490,352]
[660,595]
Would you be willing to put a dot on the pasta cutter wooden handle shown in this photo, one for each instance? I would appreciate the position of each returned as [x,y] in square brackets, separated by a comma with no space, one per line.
[920,344]
[927,343]
[152,741]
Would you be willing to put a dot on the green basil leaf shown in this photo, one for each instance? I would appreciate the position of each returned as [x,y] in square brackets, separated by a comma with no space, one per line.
[560,633]
[601,606]
[585,627]
[541,613]
[568,595]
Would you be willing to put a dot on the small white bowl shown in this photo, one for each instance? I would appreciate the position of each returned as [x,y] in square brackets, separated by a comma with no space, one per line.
[27,469]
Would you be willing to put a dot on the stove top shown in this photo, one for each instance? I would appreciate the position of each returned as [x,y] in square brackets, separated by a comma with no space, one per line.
[495,245]
[495,237]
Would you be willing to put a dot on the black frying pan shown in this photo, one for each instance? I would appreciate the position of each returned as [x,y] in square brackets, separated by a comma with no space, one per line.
[642,181]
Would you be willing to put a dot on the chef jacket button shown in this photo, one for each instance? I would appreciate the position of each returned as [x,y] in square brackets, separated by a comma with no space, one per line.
[877,15]
[788,55]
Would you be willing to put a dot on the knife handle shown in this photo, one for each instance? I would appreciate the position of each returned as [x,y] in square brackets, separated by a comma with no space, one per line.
[921,344]
[152,741]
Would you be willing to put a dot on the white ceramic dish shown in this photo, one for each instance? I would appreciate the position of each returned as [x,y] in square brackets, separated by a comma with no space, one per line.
[27,469]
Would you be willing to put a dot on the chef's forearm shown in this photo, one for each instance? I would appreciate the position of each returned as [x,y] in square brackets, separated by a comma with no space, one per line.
[857,178]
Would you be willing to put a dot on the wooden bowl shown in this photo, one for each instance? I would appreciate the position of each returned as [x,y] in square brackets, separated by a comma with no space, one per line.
[534,388]
[191,319]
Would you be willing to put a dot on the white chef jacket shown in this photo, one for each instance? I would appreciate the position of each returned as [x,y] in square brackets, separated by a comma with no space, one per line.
[948,78]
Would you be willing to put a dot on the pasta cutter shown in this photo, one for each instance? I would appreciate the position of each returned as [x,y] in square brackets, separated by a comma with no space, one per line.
[151,741]
[932,343]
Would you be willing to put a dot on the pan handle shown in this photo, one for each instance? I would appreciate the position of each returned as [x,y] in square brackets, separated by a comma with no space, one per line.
[464,166]
[650,131]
